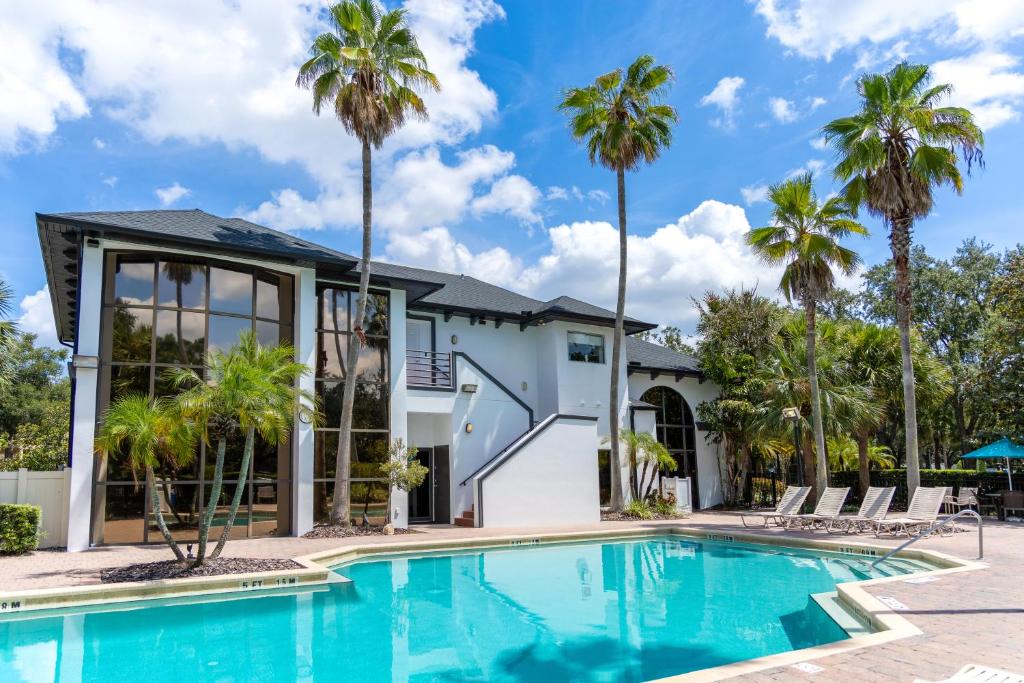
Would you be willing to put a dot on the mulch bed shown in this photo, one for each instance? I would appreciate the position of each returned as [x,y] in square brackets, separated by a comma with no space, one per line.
[338,531]
[620,517]
[175,569]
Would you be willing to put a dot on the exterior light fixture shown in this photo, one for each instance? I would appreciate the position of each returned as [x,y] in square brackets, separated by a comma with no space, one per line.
[469,427]
[469,388]
[305,415]
[455,339]
[524,386]
[791,414]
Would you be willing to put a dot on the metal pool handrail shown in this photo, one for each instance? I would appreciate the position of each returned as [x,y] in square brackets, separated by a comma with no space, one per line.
[933,527]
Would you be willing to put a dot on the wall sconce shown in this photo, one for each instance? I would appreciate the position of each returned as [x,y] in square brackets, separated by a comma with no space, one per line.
[524,386]
[469,427]
[455,339]
[469,388]
[305,415]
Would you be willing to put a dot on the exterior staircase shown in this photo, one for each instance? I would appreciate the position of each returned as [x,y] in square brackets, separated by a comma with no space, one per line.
[467,518]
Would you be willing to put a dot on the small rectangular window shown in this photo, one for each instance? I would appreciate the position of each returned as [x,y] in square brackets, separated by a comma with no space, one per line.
[586,348]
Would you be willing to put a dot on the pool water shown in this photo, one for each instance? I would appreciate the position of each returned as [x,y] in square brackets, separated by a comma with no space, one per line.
[595,611]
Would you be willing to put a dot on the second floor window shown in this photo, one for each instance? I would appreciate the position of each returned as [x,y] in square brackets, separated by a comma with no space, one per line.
[586,348]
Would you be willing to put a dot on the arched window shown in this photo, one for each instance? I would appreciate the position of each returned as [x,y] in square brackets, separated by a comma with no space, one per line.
[676,431]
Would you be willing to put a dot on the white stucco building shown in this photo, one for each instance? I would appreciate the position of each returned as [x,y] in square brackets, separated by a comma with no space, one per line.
[504,396]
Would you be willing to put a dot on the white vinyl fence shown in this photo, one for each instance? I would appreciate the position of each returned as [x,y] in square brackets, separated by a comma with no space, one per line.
[48,490]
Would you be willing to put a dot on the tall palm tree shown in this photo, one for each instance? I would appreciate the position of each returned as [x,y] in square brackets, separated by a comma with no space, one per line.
[153,434]
[8,333]
[893,153]
[249,388]
[804,237]
[366,70]
[623,123]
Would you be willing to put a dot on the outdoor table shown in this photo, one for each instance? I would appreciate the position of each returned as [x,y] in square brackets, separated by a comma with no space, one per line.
[997,500]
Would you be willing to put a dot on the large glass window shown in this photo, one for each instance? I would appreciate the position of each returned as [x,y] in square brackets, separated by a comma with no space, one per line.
[370,416]
[586,348]
[676,431]
[163,312]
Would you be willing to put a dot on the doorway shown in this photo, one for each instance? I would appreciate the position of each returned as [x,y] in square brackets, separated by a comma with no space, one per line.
[431,500]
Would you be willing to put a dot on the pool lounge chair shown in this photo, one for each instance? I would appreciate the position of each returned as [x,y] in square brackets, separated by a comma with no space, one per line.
[975,673]
[828,508]
[922,512]
[790,503]
[874,507]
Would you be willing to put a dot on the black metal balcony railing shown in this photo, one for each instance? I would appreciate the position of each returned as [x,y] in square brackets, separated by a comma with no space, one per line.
[428,368]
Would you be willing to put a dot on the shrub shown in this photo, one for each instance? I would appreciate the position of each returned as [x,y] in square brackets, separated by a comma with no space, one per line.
[19,528]
[638,509]
[666,506]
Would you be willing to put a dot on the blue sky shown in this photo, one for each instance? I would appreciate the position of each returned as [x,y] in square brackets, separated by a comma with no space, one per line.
[207,115]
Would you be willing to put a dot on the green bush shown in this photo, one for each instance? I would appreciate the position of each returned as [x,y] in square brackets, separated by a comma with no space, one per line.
[19,528]
[638,509]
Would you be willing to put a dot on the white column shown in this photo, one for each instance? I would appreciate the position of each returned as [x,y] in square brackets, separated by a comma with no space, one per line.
[305,352]
[86,368]
[399,413]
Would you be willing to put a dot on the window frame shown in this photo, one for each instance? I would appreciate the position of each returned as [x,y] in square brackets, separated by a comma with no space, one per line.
[604,355]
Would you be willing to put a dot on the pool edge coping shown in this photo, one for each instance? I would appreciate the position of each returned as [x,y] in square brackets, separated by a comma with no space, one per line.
[317,569]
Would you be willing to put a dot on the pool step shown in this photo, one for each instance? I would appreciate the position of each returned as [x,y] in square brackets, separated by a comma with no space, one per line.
[467,518]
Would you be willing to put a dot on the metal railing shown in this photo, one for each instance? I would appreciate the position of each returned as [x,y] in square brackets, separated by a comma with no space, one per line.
[428,368]
[939,525]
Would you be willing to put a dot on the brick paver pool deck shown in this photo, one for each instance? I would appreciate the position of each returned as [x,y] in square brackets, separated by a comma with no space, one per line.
[969,617]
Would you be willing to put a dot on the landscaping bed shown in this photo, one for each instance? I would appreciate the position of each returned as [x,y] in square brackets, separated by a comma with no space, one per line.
[626,517]
[338,531]
[177,569]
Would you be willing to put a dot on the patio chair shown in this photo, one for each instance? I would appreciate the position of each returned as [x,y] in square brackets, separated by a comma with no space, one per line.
[1013,501]
[829,505]
[975,673]
[967,498]
[922,512]
[790,503]
[874,507]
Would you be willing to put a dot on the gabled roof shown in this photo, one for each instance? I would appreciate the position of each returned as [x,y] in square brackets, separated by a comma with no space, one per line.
[61,236]
[644,356]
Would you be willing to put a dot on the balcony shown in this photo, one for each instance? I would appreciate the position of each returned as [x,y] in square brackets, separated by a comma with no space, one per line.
[428,369]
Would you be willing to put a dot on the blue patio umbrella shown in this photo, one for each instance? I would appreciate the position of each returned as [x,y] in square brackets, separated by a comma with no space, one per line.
[1004,448]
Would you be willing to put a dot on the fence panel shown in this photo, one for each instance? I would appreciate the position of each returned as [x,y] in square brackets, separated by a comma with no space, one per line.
[48,490]
[987,482]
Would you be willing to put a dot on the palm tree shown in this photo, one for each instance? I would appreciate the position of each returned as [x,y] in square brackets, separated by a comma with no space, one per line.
[250,388]
[844,454]
[365,70]
[8,334]
[621,120]
[154,434]
[645,456]
[804,236]
[893,153]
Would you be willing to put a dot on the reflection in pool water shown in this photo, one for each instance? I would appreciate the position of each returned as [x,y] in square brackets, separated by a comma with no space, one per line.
[596,611]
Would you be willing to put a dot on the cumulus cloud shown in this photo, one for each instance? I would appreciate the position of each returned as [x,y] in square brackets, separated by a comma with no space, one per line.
[599,196]
[783,110]
[37,318]
[171,194]
[513,195]
[817,102]
[812,166]
[819,143]
[556,193]
[752,194]
[990,84]
[724,96]
[436,248]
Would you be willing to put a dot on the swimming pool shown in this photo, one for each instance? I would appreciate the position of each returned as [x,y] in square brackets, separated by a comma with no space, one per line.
[590,611]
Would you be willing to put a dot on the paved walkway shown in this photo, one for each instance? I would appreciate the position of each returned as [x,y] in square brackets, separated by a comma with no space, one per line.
[969,617]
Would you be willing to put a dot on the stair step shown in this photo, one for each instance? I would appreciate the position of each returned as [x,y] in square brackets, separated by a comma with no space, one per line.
[463,521]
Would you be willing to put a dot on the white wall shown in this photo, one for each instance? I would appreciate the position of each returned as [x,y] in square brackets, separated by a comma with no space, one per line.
[552,479]
[48,490]
[399,400]
[302,441]
[709,481]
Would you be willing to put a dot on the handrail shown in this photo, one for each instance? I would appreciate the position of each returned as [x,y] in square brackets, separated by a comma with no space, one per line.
[939,525]
[497,455]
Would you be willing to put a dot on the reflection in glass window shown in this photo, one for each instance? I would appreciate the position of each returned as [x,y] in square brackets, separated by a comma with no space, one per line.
[586,348]
[181,285]
[226,330]
[334,309]
[268,304]
[375,318]
[268,334]
[128,379]
[133,280]
[180,337]
[131,332]
[331,356]
[230,291]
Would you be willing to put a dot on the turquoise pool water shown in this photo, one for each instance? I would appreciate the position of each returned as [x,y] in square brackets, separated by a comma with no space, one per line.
[596,611]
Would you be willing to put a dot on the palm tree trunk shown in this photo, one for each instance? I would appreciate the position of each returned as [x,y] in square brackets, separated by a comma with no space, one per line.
[864,476]
[158,513]
[340,514]
[240,488]
[821,478]
[211,505]
[620,306]
[899,239]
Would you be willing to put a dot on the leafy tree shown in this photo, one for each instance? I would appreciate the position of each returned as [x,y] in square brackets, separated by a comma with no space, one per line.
[34,405]
[622,121]
[804,237]
[893,153]
[844,455]
[366,70]
[1002,355]
[40,445]
[402,470]
[250,388]
[645,457]
[150,432]
[670,337]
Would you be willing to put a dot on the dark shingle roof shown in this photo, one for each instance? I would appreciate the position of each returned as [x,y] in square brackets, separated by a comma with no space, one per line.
[651,356]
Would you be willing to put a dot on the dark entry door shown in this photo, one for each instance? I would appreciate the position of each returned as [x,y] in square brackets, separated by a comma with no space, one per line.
[442,486]
[421,503]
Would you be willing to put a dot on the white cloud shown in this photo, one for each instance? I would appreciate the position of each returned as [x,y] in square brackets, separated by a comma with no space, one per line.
[172,193]
[98,143]
[577,193]
[821,28]
[513,195]
[436,248]
[812,166]
[818,102]
[819,143]
[109,180]
[988,83]
[556,193]
[725,96]
[37,318]
[752,194]
[598,196]
[783,110]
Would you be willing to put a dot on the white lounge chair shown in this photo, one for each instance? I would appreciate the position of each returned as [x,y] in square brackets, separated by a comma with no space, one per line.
[830,504]
[922,512]
[975,673]
[874,507]
[790,503]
